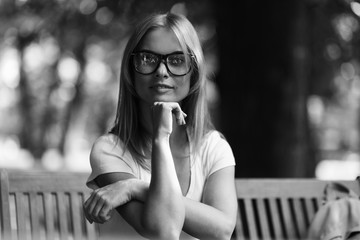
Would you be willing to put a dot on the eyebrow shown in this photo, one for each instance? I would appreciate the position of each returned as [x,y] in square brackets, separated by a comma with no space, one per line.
[149,51]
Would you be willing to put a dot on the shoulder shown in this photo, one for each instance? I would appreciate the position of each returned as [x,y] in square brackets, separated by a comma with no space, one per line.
[214,145]
[108,144]
[214,153]
[213,139]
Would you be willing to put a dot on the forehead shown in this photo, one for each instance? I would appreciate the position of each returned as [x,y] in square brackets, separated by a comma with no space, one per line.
[160,40]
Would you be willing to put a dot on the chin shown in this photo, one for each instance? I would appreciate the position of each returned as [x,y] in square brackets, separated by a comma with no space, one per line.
[164,100]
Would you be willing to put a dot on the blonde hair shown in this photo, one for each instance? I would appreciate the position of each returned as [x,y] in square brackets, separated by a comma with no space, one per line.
[127,125]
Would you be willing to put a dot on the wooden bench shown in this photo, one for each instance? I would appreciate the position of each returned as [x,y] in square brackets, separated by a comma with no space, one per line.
[44,205]
[279,208]
[40,205]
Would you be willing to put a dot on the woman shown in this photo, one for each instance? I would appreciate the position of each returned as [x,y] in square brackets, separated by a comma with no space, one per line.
[163,167]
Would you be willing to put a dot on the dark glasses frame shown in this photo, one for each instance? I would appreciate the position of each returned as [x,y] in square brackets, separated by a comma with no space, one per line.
[163,58]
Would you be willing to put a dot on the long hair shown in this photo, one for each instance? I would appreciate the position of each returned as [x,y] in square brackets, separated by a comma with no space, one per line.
[127,125]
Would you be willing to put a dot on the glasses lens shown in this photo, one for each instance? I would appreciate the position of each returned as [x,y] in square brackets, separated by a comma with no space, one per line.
[145,62]
[178,64]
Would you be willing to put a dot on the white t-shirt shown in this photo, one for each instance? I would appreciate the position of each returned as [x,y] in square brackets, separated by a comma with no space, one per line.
[214,154]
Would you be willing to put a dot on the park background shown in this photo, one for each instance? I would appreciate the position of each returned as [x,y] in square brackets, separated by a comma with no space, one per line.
[284,80]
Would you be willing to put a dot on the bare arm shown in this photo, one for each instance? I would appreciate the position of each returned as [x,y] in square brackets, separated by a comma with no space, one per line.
[164,210]
[162,213]
[158,209]
[214,218]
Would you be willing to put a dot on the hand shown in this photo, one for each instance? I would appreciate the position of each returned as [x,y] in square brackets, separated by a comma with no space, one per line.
[162,114]
[100,205]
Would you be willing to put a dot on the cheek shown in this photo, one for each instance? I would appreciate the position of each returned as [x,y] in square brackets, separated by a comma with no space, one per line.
[185,84]
[140,81]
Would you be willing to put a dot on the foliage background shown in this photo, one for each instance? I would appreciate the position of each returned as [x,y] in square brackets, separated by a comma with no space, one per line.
[284,81]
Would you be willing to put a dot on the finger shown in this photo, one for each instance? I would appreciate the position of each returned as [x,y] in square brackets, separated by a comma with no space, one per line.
[87,207]
[87,201]
[179,114]
[184,115]
[105,212]
[96,210]
[92,205]
[87,216]
[181,118]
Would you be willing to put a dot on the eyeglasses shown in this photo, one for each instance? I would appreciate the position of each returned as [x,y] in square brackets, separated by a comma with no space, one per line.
[177,63]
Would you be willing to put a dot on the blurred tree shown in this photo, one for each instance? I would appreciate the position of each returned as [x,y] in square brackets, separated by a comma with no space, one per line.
[272,60]
[69,54]
[264,71]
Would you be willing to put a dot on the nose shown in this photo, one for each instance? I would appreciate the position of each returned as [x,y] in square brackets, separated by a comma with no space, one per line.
[162,71]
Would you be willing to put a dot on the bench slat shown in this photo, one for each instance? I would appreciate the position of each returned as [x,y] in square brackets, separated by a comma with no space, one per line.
[288,220]
[63,218]
[239,229]
[21,216]
[75,214]
[34,215]
[263,218]
[49,215]
[309,209]
[4,206]
[300,217]
[275,218]
[249,210]
[92,230]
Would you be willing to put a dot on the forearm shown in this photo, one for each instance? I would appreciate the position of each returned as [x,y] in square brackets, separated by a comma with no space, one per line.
[207,222]
[201,220]
[164,210]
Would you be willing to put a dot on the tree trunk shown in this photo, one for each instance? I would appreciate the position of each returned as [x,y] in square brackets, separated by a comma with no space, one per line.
[262,83]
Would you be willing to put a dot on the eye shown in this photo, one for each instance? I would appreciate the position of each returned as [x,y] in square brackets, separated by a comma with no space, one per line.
[148,58]
[178,59]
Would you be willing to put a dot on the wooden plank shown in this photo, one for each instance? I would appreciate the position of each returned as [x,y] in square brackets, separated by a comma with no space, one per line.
[21,217]
[49,215]
[251,222]
[299,214]
[275,219]
[239,230]
[319,202]
[92,230]
[288,221]
[4,206]
[291,188]
[34,215]
[62,214]
[47,182]
[310,210]
[264,225]
[75,215]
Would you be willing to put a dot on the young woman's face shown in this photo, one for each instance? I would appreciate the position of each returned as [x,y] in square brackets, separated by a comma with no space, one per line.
[161,85]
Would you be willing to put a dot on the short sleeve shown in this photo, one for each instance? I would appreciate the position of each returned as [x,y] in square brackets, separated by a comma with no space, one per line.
[107,156]
[219,154]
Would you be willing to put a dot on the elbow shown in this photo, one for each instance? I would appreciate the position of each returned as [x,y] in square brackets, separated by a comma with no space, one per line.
[168,234]
[162,233]
[225,231]
[155,230]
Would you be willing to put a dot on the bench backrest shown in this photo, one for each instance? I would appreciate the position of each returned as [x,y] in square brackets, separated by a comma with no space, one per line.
[279,208]
[43,205]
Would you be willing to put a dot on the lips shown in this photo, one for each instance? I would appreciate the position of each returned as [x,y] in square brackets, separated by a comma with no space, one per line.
[161,86]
